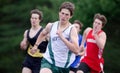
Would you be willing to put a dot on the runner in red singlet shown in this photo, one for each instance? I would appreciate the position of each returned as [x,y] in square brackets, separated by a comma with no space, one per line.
[95,40]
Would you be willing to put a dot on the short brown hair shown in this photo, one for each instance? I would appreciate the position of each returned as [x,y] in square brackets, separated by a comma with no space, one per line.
[68,5]
[78,22]
[36,11]
[101,17]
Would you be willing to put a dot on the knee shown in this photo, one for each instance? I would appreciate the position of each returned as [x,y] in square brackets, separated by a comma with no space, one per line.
[79,71]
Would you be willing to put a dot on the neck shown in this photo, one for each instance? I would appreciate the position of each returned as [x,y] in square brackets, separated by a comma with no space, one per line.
[35,27]
[62,27]
[63,24]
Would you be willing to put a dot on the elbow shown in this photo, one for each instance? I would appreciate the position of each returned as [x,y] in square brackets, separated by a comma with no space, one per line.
[101,46]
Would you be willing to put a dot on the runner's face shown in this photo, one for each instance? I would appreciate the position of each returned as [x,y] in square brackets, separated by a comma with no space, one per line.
[64,15]
[77,26]
[34,19]
[97,25]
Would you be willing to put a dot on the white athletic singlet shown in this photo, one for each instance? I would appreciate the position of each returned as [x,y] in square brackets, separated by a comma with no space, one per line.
[57,52]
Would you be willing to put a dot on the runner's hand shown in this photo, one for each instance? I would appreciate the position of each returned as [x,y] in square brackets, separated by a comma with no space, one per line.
[33,50]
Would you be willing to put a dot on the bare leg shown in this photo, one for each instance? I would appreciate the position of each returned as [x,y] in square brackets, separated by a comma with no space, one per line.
[79,71]
[71,72]
[45,70]
[26,70]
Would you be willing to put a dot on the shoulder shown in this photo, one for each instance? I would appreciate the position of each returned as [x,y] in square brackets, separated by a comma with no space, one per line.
[72,28]
[48,27]
[87,30]
[26,31]
[51,23]
[102,34]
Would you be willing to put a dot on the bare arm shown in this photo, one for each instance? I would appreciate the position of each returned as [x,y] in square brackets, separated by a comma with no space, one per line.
[85,35]
[24,42]
[82,48]
[41,37]
[100,40]
[73,46]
